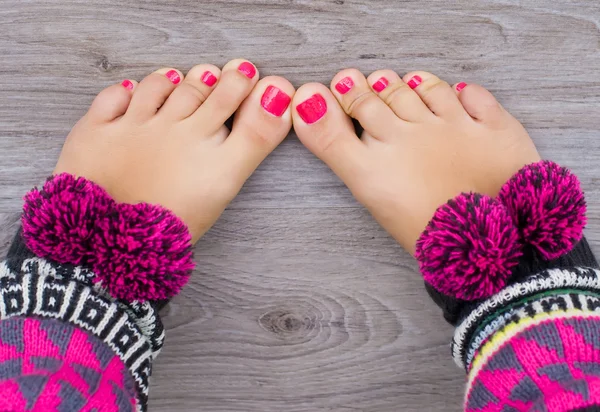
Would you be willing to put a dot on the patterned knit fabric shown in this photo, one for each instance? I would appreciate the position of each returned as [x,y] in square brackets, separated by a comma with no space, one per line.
[547,363]
[47,365]
[535,346]
[63,306]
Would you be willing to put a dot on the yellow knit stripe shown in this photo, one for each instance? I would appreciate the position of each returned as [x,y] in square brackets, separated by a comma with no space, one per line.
[491,347]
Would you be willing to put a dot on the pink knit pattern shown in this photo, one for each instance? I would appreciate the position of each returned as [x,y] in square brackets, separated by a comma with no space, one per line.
[59,369]
[553,366]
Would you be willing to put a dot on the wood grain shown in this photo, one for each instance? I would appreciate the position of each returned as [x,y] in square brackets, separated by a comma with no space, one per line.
[300,301]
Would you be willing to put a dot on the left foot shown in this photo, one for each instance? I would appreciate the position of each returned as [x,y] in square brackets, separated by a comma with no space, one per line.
[163,141]
[424,142]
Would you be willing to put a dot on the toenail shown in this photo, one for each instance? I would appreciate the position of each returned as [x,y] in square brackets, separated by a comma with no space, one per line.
[344,85]
[173,76]
[415,81]
[208,79]
[460,86]
[127,84]
[275,101]
[380,85]
[247,69]
[312,109]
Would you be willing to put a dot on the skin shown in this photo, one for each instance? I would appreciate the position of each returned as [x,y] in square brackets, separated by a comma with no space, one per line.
[165,142]
[420,147]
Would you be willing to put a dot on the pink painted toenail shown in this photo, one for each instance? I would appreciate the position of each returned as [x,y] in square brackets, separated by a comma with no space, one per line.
[344,85]
[208,79]
[460,86]
[173,76]
[312,109]
[414,82]
[380,85]
[127,84]
[275,101]
[247,69]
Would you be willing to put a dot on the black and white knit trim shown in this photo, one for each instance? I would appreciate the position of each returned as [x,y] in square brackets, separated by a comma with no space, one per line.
[527,309]
[551,279]
[144,314]
[38,290]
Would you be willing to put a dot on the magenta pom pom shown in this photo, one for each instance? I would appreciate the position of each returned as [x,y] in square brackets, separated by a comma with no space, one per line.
[469,248]
[138,252]
[548,206]
[142,252]
[59,221]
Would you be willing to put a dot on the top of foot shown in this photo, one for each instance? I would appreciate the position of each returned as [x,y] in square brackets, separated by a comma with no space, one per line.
[163,141]
[424,142]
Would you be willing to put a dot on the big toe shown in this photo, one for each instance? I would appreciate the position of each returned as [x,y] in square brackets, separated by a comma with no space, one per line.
[112,102]
[480,103]
[261,123]
[324,128]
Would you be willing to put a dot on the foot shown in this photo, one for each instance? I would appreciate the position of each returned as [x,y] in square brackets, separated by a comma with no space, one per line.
[163,141]
[424,142]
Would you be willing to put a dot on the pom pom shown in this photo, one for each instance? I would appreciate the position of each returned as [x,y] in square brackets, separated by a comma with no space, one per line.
[142,252]
[548,207]
[469,248]
[59,221]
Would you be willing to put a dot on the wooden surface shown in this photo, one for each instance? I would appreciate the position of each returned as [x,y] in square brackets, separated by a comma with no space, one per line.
[300,301]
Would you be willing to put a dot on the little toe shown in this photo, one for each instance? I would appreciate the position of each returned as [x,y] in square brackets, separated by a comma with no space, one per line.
[262,122]
[112,102]
[192,92]
[405,103]
[324,128]
[480,104]
[436,93]
[152,92]
[360,102]
[238,78]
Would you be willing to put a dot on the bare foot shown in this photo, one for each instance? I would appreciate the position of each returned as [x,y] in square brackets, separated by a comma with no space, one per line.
[424,143]
[163,141]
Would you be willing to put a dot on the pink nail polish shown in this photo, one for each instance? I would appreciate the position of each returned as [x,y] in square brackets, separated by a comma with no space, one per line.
[208,79]
[247,69]
[344,85]
[414,82]
[312,109]
[275,101]
[173,76]
[127,84]
[380,85]
[460,86]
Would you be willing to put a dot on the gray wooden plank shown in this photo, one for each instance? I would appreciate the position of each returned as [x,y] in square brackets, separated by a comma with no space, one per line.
[300,301]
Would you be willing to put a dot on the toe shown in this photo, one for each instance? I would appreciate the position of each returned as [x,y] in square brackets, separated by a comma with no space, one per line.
[112,102]
[479,103]
[193,91]
[360,102]
[405,103]
[152,92]
[436,93]
[262,122]
[324,128]
[237,81]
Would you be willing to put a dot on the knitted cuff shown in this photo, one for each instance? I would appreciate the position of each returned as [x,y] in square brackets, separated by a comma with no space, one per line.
[137,252]
[475,246]
[582,283]
[529,265]
[546,362]
[34,287]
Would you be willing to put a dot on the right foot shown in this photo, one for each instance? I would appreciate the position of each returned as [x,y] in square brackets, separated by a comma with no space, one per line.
[424,143]
[163,141]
